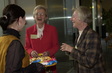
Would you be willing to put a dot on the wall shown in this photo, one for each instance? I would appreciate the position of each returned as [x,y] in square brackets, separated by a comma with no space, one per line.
[28,6]
[107,4]
[3,3]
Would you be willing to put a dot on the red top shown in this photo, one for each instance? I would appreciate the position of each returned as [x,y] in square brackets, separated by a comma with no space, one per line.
[49,41]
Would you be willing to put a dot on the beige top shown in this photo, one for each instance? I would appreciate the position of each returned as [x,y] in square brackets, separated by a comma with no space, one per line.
[80,32]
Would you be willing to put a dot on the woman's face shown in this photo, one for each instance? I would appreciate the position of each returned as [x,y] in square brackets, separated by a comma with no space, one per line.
[22,22]
[40,16]
[75,20]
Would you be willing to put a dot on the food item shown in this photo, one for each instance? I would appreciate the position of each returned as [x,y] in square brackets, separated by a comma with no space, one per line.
[45,60]
[42,59]
[40,54]
[32,59]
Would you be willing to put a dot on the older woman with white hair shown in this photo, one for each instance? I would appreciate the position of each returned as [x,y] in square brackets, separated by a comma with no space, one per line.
[87,51]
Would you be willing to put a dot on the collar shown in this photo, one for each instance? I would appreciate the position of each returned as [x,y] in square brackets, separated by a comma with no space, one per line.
[10,31]
[80,32]
[41,29]
[35,27]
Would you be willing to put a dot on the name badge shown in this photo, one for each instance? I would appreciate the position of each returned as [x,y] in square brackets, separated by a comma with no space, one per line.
[33,36]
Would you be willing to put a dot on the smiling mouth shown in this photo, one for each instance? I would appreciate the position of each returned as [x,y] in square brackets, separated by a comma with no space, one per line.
[39,19]
[73,22]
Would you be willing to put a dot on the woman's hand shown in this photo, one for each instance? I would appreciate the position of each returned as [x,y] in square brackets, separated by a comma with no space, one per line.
[66,47]
[46,53]
[34,54]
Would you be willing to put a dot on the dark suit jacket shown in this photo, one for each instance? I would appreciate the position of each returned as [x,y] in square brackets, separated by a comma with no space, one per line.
[88,54]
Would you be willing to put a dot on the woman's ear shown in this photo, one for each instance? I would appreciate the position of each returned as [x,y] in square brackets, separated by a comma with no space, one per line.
[20,19]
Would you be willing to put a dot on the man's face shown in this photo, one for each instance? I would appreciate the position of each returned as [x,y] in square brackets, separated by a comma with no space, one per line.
[75,20]
[40,16]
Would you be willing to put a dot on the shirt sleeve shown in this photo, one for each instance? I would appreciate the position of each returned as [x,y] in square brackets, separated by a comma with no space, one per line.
[14,57]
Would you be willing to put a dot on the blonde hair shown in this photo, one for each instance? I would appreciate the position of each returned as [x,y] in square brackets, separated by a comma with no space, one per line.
[84,14]
[40,7]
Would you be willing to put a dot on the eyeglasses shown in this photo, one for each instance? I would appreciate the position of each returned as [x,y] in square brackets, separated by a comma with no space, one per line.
[40,14]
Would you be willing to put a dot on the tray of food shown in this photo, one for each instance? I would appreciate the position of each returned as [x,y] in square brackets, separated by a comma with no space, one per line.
[45,60]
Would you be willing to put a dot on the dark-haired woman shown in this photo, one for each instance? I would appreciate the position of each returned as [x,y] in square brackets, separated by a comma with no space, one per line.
[12,53]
